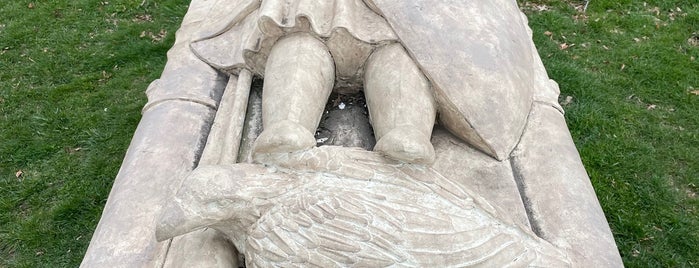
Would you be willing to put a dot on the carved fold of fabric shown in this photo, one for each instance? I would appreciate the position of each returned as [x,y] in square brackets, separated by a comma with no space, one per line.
[225,50]
[349,28]
[324,17]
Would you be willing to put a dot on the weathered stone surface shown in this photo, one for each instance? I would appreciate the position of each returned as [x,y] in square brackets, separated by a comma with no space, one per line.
[480,71]
[491,46]
[345,123]
[401,107]
[124,236]
[253,123]
[561,201]
[224,139]
[474,170]
[167,144]
[205,248]
[333,206]
[288,203]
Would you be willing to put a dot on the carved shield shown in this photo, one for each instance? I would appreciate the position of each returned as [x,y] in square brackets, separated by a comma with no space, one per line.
[477,54]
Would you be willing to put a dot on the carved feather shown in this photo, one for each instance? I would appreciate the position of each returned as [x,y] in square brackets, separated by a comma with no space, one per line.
[402,215]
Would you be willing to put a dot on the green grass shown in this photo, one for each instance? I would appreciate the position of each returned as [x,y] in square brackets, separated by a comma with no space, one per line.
[634,117]
[71,89]
[73,76]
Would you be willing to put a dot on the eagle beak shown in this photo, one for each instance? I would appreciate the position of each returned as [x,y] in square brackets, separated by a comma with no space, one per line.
[174,221]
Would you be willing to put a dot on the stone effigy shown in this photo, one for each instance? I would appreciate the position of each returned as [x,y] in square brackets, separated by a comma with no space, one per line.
[469,163]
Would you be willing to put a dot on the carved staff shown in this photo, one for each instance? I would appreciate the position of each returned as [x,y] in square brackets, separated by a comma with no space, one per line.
[223,143]
[208,248]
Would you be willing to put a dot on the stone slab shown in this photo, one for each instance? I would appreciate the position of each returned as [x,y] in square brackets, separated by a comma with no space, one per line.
[482,174]
[166,145]
[125,236]
[561,202]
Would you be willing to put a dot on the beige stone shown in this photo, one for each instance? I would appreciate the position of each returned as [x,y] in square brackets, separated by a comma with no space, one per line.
[218,170]
[334,207]
[561,202]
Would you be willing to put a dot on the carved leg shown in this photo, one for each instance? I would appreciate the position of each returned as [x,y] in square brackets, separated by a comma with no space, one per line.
[401,106]
[299,77]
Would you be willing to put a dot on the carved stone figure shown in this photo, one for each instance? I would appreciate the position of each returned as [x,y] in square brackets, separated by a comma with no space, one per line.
[473,164]
[333,206]
[299,46]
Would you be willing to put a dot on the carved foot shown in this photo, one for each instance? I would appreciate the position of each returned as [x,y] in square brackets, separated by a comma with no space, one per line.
[284,137]
[406,144]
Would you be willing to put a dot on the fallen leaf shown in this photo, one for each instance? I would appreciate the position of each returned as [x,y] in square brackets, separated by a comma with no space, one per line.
[651,107]
[693,41]
[549,34]
[536,7]
[692,191]
[616,31]
[563,46]
[655,10]
[635,253]
[568,100]
[695,92]
[19,173]
[31,6]
[160,36]
[623,66]
[39,253]
[154,37]
[71,150]
[142,18]
[580,17]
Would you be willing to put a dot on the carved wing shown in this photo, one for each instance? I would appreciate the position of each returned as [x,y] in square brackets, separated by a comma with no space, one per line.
[360,209]
[325,231]
[355,229]
[358,164]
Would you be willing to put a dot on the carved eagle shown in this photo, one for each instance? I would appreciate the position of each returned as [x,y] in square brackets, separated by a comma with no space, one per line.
[343,207]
